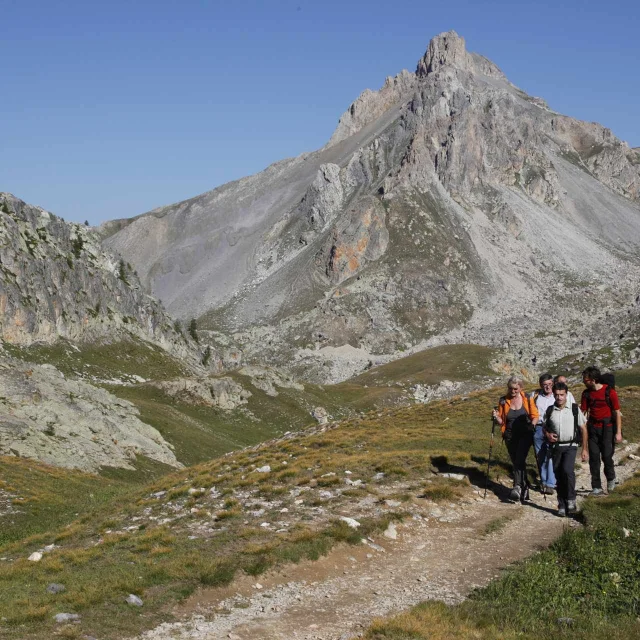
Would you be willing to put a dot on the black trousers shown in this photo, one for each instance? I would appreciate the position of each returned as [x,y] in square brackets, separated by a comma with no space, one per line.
[601,445]
[564,460]
[518,447]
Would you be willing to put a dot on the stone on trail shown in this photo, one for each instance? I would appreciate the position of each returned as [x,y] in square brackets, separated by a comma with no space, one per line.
[134,600]
[54,587]
[264,469]
[66,617]
[354,524]
[453,476]
[36,556]
[391,532]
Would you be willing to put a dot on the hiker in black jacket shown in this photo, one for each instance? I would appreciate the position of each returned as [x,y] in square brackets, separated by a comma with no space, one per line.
[564,427]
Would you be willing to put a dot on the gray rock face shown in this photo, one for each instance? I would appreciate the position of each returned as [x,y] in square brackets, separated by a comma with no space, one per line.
[56,280]
[211,392]
[71,423]
[268,380]
[435,196]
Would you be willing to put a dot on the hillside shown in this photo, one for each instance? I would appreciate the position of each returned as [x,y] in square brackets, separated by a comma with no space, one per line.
[242,514]
[436,195]
[56,281]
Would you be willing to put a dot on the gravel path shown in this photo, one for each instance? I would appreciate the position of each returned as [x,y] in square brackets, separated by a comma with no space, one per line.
[441,553]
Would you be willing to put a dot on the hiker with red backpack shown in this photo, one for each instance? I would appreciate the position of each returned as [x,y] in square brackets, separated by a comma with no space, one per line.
[604,426]
[565,431]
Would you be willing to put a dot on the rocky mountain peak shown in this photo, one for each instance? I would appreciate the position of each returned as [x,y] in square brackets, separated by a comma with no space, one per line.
[435,193]
[445,49]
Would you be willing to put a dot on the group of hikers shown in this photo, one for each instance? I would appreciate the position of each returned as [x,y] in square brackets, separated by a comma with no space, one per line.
[556,426]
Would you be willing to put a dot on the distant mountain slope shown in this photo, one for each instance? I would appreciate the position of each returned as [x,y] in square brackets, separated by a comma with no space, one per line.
[56,281]
[445,206]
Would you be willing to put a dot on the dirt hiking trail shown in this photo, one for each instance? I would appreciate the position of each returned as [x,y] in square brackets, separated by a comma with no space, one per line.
[442,552]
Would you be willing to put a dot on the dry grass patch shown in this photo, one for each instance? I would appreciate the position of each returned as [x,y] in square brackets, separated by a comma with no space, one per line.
[163,563]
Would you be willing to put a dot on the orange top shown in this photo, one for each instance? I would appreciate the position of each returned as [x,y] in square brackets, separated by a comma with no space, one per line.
[528,404]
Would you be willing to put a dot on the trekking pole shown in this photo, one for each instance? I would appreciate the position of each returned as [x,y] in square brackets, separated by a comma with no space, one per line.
[493,430]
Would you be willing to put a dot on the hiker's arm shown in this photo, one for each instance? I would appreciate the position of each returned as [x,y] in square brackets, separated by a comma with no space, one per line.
[618,419]
[585,443]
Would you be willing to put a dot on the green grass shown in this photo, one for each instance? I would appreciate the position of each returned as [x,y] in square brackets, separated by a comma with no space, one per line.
[50,497]
[110,546]
[497,524]
[163,564]
[460,362]
[628,377]
[201,433]
[118,360]
[589,576]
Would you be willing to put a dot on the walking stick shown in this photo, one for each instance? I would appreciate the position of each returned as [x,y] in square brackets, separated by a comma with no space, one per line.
[493,430]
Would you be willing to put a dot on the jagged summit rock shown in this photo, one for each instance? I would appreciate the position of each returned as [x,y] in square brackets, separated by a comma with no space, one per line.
[434,196]
[449,50]
[446,49]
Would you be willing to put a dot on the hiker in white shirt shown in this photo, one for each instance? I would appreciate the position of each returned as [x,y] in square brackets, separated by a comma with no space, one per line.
[565,430]
[544,398]
[560,378]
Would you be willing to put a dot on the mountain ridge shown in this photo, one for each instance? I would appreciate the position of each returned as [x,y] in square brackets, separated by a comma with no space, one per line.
[433,195]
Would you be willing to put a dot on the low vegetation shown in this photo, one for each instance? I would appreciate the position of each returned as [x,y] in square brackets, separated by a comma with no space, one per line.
[245,512]
[586,586]
[127,360]
[199,526]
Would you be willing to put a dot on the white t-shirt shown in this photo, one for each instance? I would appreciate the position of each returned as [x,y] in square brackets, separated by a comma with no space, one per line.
[543,403]
[560,422]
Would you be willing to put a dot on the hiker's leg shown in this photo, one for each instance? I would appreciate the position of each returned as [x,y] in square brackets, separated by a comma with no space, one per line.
[522,451]
[594,457]
[545,464]
[511,448]
[538,438]
[557,466]
[608,448]
[569,472]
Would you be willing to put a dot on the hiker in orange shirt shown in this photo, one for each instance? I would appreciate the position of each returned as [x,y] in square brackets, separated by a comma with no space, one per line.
[517,416]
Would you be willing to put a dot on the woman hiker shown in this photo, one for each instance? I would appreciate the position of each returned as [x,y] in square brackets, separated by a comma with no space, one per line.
[517,416]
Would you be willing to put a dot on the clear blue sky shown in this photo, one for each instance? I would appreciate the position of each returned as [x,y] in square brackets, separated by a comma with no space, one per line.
[110,109]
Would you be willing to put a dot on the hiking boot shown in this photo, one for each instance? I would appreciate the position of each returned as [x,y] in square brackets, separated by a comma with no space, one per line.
[611,485]
[524,495]
[571,507]
[515,494]
[561,512]
[548,490]
[596,492]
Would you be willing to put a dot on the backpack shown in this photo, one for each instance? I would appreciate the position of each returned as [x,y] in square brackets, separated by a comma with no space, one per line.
[577,433]
[609,379]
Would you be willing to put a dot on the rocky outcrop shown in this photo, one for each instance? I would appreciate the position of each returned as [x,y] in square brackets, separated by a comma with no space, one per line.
[223,393]
[449,50]
[370,105]
[71,423]
[56,281]
[269,381]
[359,237]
